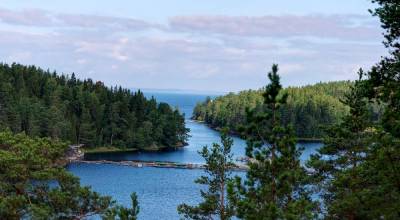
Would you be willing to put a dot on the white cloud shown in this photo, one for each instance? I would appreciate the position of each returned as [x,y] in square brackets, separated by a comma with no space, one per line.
[334,26]
[221,53]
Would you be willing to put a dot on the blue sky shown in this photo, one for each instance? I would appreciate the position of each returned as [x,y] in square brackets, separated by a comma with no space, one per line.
[207,45]
[161,10]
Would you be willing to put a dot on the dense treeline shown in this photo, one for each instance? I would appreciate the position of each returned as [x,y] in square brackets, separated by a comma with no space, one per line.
[44,104]
[308,108]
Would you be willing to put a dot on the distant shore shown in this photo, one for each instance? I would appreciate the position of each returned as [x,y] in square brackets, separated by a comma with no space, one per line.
[238,135]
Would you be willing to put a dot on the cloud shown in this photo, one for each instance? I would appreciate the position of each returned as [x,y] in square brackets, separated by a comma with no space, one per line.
[103,22]
[42,18]
[221,53]
[348,27]
[344,27]
[29,17]
[166,62]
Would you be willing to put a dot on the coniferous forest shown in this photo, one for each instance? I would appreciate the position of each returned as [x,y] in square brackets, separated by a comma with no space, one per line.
[309,108]
[354,175]
[45,104]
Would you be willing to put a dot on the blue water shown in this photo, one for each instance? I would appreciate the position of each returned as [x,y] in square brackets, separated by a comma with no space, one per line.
[201,135]
[184,102]
[161,190]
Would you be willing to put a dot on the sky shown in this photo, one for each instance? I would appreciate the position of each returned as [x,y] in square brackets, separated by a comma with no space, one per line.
[193,45]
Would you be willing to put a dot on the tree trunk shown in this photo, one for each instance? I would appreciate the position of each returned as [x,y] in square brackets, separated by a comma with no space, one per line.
[222,205]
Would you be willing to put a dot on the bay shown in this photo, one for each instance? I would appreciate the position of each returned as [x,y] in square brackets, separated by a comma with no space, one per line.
[161,190]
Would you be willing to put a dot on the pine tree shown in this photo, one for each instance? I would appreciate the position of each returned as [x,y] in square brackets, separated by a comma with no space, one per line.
[27,166]
[338,165]
[275,187]
[122,213]
[219,163]
[382,85]
[360,171]
[383,81]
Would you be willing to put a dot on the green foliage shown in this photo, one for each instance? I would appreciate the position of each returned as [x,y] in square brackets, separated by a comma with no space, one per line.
[308,108]
[123,213]
[275,187]
[358,168]
[34,186]
[382,85]
[218,164]
[338,166]
[383,81]
[388,13]
[44,104]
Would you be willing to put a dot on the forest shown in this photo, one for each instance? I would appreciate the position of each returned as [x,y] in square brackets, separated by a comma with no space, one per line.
[45,104]
[354,175]
[310,109]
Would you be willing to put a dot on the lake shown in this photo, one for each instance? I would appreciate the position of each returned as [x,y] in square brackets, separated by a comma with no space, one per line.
[161,190]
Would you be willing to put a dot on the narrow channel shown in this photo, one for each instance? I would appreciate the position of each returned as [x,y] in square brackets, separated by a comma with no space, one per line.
[160,191]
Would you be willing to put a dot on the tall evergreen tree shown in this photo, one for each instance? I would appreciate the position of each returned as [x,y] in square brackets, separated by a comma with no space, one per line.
[360,170]
[338,165]
[382,85]
[275,187]
[383,81]
[219,163]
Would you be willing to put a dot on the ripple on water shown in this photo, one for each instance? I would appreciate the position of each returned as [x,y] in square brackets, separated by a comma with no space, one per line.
[161,190]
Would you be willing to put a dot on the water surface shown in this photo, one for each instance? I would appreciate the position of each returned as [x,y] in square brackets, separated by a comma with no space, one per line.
[161,190]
